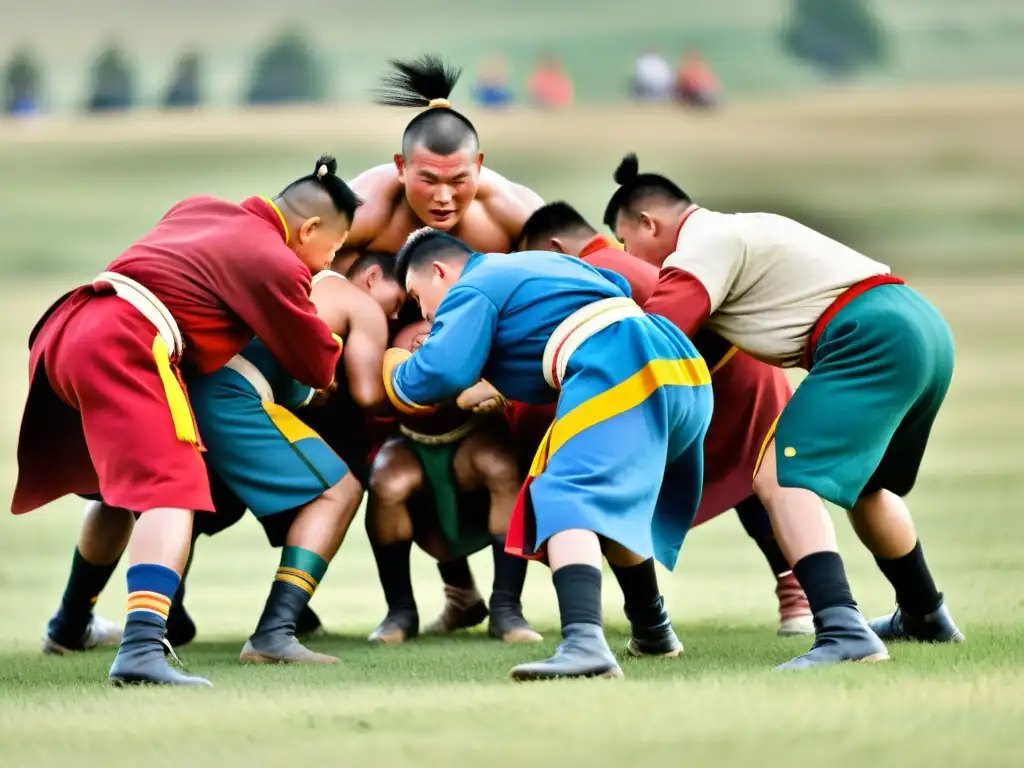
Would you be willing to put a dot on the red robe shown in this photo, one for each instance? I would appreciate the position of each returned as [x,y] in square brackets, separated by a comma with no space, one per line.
[98,419]
[749,396]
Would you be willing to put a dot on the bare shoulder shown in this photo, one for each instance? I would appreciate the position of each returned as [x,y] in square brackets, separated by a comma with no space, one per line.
[510,204]
[377,187]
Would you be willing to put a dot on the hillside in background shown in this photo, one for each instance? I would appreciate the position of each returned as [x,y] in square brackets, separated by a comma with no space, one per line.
[932,40]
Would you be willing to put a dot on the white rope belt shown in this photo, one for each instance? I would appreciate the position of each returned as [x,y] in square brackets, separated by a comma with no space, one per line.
[577,328]
[154,310]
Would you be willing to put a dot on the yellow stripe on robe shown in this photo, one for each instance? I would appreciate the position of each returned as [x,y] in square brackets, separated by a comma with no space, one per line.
[622,397]
[288,424]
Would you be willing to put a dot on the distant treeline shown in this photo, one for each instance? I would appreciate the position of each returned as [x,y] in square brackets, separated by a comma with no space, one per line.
[837,37]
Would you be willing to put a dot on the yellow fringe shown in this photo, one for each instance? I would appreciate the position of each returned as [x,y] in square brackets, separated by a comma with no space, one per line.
[181,413]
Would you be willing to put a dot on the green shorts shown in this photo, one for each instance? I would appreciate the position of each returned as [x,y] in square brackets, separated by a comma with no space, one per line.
[464,533]
[861,419]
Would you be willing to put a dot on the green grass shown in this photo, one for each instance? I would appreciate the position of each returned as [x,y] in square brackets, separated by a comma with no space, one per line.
[447,702]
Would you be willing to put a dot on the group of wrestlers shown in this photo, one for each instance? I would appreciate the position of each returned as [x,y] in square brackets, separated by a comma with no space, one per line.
[490,372]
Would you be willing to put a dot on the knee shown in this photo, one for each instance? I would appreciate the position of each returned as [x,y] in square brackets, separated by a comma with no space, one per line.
[498,468]
[345,496]
[392,486]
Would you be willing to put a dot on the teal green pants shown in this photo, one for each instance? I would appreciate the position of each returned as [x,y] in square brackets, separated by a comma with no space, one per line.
[861,419]
[464,534]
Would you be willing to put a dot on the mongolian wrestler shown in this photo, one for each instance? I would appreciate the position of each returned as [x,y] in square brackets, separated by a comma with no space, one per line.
[448,482]
[438,179]
[622,463]
[340,420]
[277,465]
[184,299]
[749,395]
[879,360]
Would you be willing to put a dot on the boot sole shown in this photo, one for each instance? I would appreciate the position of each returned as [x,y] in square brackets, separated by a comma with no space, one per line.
[874,658]
[634,650]
[130,682]
[255,657]
[536,677]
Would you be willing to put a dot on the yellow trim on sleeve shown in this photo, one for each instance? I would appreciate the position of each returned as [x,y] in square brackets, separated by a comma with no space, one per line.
[393,358]
[765,443]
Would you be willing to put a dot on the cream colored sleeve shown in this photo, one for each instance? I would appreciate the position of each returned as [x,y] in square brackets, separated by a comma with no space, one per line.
[711,249]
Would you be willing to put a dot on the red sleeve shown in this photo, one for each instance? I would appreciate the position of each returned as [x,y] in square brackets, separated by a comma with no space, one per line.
[277,307]
[640,275]
[681,298]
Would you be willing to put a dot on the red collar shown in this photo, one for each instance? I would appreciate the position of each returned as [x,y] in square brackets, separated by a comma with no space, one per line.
[265,209]
[686,215]
[595,244]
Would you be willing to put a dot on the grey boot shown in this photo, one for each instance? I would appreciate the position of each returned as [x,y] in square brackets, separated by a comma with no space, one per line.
[841,634]
[583,652]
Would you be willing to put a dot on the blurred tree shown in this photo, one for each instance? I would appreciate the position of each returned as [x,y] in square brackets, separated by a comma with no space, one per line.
[22,84]
[184,90]
[837,36]
[113,82]
[286,72]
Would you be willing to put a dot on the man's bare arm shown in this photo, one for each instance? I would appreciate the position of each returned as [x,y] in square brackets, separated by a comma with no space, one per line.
[363,354]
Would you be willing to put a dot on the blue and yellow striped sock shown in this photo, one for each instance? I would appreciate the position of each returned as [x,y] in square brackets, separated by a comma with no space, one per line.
[151,589]
[301,568]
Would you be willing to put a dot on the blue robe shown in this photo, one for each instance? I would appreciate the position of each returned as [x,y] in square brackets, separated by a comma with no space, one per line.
[624,457]
[261,450]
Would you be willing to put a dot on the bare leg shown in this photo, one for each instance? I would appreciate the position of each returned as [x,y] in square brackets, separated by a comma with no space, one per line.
[485,460]
[102,541]
[396,475]
[883,523]
[805,533]
[644,606]
[158,551]
[794,610]
[313,540]
[575,559]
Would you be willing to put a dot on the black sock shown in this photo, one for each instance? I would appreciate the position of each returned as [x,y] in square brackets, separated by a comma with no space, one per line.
[916,592]
[456,573]
[393,569]
[509,576]
[755,521]
[85,582]
[823,579]
[639,584]
[579,594]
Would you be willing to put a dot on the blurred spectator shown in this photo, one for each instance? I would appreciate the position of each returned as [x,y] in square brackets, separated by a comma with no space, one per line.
[549,85]
[22,83]
[113,86]
[653,80]
[696,84]
[492,88]
[286,72]
[184,88]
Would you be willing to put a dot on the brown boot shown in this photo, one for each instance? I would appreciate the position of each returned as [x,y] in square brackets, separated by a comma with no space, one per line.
[397,627]
[463,608]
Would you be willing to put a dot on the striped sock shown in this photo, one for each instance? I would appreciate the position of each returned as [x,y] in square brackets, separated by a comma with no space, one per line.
[301,568]
[151,588]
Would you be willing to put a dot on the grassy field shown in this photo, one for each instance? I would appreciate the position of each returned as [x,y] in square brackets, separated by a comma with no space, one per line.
[922,182]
